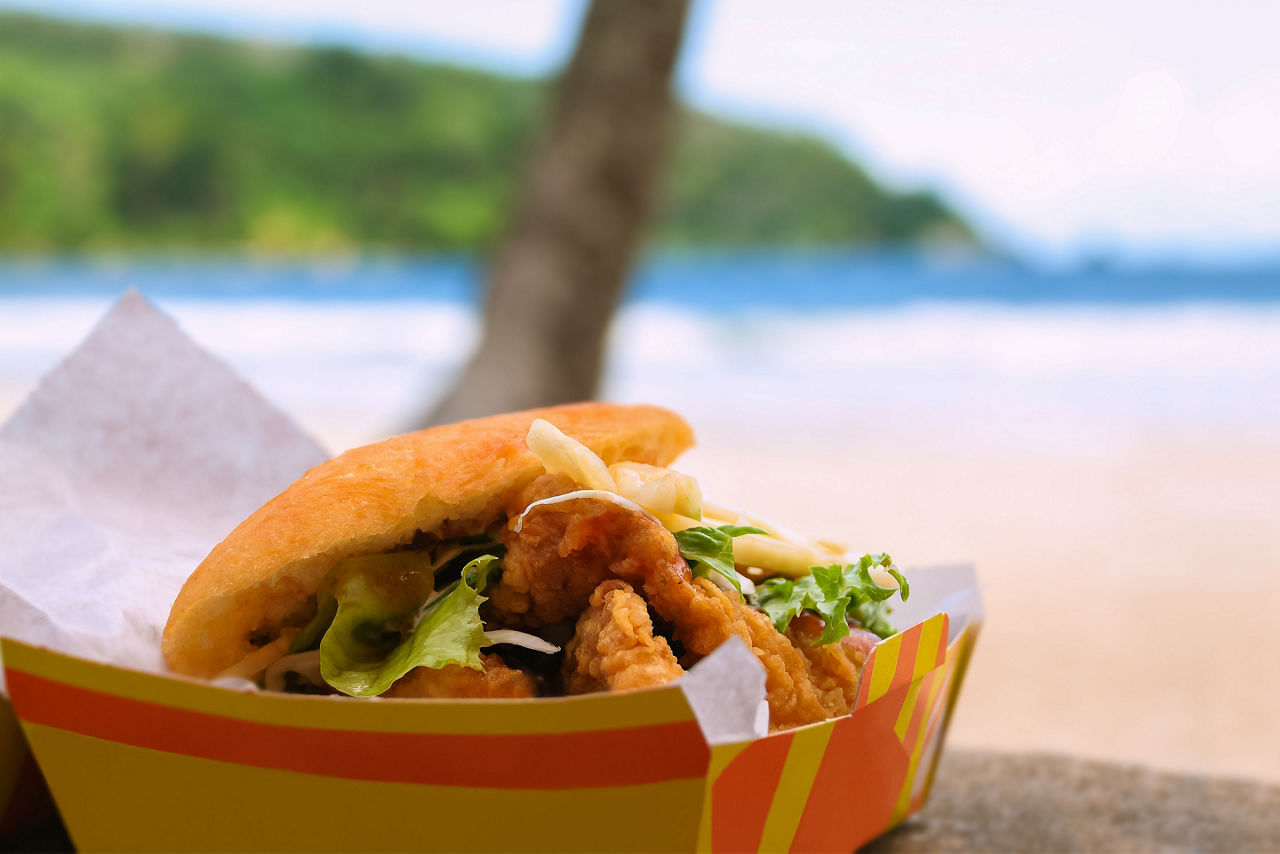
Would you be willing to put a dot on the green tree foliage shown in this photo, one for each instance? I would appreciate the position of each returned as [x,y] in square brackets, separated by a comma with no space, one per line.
[133,139]
[737,185]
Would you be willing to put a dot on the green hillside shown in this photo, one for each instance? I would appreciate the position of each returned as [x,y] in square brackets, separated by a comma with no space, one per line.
[130,139]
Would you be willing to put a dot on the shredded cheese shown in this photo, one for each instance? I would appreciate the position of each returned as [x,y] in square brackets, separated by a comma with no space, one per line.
[783,551]
[659,490]
[674,522]
[774,555]
[733,516]
[836,550]
[561,454]
[882,578]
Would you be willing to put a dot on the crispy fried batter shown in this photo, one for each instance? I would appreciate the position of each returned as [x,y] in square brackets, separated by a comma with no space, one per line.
[834,676]
[857,645]
[835,668]
[564,547]
[543,486]
[614,647]
[496,681]
[713,615]
[551,566]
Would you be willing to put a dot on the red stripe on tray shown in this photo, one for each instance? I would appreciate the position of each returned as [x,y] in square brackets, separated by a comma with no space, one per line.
[905,673]
[904,667]
[857,784]
[635,755]
[743,794]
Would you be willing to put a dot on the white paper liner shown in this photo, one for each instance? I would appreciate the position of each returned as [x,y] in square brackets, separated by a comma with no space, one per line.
[124,467]
[726,692]
[951,588]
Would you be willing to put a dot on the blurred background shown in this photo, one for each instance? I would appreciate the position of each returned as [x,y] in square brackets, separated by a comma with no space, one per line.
[961,281]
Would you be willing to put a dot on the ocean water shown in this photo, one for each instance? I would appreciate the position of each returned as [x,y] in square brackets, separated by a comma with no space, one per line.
[823,348]
[712,281]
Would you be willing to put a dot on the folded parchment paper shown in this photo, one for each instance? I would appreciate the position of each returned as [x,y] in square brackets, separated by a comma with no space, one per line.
[119,473]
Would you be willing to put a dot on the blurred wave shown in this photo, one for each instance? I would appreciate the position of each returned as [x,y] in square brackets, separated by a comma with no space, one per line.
[722,281]
[354,362]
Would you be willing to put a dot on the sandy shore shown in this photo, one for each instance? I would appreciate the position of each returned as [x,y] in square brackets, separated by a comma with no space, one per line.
[1131,588]
[1131,596]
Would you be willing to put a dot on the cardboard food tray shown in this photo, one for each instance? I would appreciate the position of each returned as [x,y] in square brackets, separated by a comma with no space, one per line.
[142,450]
[192,765]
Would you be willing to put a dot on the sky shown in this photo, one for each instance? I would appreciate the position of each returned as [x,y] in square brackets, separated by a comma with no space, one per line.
[1063,128]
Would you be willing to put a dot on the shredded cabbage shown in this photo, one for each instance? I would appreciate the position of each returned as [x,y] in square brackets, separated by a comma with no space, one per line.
[305,663]
[524,639]
[601,494]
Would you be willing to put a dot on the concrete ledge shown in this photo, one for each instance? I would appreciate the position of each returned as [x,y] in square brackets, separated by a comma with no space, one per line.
[1021,802]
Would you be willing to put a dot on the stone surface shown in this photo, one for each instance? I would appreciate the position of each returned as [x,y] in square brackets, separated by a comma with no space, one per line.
[1031,802]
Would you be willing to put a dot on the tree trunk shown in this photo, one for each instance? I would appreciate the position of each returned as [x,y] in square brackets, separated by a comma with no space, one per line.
[559,273]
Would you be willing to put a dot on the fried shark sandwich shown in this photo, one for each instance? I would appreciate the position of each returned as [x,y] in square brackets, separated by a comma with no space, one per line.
[530,554]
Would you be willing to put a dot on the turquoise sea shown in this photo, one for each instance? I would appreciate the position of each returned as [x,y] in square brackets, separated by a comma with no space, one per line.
[825,345]
[716,281]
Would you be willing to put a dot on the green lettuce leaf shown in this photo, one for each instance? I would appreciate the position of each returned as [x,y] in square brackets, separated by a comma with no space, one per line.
[837,594]
[405,578]
[326,607]
[372,641]
[708,550]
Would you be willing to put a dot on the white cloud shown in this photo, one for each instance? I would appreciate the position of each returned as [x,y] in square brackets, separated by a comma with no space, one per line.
[1246,124]
[1147,124]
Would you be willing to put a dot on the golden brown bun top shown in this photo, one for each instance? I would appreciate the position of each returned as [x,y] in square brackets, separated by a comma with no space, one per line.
[452,480]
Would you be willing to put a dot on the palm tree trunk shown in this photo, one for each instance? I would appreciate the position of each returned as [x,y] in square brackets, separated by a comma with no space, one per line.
[559,273]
